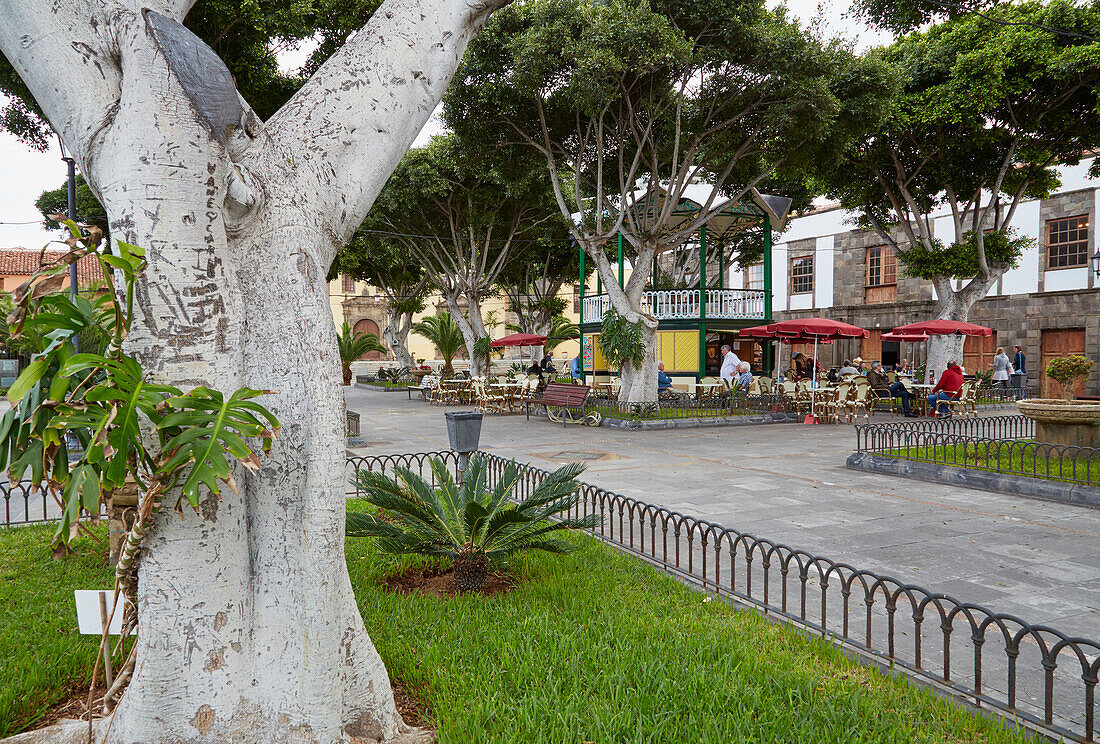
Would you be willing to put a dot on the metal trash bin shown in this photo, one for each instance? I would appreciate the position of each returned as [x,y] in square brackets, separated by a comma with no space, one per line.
[1018,381]
[353,424]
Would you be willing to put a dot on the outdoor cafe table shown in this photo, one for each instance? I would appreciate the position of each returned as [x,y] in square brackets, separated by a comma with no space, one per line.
[707,388]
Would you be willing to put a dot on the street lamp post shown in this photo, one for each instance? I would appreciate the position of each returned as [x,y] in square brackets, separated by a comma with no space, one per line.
[1096,263]
[71,162]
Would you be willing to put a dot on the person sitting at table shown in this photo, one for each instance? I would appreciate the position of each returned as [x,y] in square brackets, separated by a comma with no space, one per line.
[548,362]
[861,367]
[948,388]
[535,369]
[847,370]
[903,368]
[745,378]
[664,382]
[883,389]
[876,378]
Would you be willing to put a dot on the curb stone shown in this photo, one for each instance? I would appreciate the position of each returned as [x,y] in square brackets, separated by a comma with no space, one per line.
[1075,494]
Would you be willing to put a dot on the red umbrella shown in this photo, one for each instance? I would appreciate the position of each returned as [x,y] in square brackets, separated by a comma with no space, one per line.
[818,330]
[912,338]
[944,328]
[519,339]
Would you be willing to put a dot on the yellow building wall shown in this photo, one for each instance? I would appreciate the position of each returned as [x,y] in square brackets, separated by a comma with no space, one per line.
[421,348]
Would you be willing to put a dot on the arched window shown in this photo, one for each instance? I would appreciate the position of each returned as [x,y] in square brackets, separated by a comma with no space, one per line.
[366,325]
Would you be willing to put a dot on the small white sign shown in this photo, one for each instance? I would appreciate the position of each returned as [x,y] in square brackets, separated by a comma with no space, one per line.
[92,612]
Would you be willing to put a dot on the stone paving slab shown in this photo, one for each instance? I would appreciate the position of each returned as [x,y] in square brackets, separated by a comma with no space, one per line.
[1039,560]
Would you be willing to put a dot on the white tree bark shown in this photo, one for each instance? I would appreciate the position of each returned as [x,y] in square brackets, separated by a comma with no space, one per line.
[396,334]
[639,384]
[249,628]
[472,326]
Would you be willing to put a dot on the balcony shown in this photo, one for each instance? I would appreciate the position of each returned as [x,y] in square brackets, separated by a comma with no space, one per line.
[683,304]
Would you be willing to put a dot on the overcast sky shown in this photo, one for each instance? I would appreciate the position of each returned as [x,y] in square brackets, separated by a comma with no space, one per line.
[24,173]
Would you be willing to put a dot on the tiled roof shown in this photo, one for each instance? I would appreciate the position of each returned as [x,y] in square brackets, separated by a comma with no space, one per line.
[24,262]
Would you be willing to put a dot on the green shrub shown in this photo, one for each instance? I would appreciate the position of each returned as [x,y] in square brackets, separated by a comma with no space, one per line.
[621,341]
[470,523]
[1069,370]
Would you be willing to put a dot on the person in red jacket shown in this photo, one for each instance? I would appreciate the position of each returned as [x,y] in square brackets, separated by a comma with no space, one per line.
[948,388]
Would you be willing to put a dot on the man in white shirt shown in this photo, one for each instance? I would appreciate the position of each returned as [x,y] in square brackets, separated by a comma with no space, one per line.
[730,363]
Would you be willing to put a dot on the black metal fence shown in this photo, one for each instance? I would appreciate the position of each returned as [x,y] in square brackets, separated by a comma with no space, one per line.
[998,444]
[686,407]
[1033,674]
[24,503]
[1002,394]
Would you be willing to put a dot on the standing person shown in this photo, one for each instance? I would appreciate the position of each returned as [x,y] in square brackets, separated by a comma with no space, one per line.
[575,369]
[1020,363]
[948,388]
[730,363]
[1002,368]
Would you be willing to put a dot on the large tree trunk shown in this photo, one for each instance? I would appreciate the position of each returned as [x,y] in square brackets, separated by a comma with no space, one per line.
[249,630]
[396,334]
[953,305]
[639,384]
[472,327]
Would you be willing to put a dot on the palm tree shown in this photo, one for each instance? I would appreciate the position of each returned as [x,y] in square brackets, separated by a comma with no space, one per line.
[443,331]
[561,330]
[471,523]
[354,346]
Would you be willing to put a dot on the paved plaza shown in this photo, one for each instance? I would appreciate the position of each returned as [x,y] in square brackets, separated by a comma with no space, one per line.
[787,482]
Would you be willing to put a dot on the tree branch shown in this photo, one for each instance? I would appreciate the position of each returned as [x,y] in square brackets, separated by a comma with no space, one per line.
[347,128]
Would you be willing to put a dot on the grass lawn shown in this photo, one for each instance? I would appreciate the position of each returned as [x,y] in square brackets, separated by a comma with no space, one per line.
[598,647]
[590,647]
[387,384]
[1009,456]
[44,658]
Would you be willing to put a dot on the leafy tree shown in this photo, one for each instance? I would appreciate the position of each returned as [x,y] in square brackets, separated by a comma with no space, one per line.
[243,184]
[631,104]
[533,284]
[354,346]
[453,212]
[444,332]
[379,260]
[989,106]
[470,523]
[88,209]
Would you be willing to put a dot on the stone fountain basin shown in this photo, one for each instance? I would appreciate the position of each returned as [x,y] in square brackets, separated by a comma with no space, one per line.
[1071,423]
[1056,411]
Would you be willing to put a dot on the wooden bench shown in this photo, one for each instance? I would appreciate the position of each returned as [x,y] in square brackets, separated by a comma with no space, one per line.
[565,397]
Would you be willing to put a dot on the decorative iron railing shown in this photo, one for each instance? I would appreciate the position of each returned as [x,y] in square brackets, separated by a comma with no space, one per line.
[1033,674]
[999,444]
[685,304]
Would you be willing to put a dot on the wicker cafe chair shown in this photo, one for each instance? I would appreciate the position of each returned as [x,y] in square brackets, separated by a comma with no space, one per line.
[836,404]
[967,402]
[859,400]
[486,399]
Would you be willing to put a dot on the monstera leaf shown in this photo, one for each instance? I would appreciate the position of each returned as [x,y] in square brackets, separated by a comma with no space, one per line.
[210,426]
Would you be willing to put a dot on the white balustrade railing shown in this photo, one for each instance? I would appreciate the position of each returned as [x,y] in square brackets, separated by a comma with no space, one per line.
[683,304]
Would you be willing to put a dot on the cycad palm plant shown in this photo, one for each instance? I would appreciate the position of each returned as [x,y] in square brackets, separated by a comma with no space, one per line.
[443,331]
[353,346]
[470,523]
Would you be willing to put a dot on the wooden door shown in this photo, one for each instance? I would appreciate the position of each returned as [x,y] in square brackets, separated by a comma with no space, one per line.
[870,348]
[368,326]
[1058,343]
[978,353]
